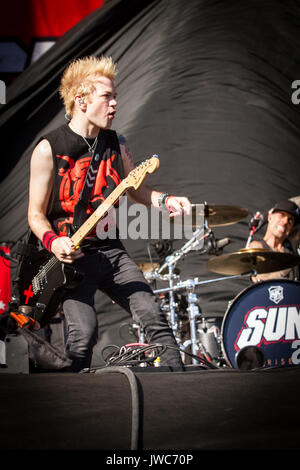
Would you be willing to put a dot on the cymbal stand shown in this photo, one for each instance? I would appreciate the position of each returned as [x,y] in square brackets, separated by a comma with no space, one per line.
[193,308]
[173,314]
[194,314]
[191,244]
[191,283]
[170,263]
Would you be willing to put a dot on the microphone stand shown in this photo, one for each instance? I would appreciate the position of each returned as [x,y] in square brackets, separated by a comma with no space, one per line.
[252,231]
[257,223]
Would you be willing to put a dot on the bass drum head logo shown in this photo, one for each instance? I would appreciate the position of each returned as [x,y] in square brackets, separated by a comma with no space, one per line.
[276,294]
[265,316]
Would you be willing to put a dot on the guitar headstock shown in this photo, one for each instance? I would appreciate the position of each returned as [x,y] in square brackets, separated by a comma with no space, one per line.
[137,176]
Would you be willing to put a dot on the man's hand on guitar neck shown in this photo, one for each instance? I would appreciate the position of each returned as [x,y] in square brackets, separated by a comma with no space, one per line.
[64,250]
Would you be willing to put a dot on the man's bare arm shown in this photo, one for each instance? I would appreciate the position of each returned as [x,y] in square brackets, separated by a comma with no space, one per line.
[40,189]
[145,194]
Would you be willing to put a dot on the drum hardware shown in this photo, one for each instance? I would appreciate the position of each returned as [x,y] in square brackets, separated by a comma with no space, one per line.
[193,244]
[193,309]
[210,215]
[154,276]
[189,286]
[243,263]
[202,241]
[192,283]
[194,314]
[209,336]
[197,242]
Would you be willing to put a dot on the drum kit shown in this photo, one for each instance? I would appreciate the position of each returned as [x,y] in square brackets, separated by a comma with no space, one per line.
[261,327]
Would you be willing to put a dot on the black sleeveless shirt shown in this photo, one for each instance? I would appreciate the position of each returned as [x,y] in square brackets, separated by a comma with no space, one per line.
[71,159]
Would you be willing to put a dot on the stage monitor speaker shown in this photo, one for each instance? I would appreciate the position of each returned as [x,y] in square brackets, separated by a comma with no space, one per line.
[14,355]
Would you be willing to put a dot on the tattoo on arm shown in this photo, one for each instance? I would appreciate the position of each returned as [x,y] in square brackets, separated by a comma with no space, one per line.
[124,144]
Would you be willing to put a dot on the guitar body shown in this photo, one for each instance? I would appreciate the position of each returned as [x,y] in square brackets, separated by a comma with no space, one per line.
[43,287]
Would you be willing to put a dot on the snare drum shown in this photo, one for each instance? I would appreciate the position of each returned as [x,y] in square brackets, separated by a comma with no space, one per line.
[265,316]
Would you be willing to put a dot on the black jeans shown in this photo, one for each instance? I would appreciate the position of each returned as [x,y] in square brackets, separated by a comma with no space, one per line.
[113,272]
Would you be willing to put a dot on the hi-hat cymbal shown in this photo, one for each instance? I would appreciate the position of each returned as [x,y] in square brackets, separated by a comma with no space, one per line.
[215,214]
[255,259]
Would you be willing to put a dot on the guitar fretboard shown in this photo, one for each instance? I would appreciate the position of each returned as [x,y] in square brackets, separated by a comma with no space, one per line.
[99,213]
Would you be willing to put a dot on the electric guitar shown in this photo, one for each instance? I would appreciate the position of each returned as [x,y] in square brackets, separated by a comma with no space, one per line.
[47,281]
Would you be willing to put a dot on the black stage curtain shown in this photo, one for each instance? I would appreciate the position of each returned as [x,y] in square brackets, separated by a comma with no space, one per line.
[206,85]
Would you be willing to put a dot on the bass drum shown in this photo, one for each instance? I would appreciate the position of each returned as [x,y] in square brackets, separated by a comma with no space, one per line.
[264,319]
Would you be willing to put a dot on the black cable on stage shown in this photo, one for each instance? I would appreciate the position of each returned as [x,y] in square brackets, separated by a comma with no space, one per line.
[199,359]
[127,358]
[135,401]
[131,357]
[107,347]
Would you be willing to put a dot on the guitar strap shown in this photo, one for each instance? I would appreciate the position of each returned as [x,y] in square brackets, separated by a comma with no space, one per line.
[80,214]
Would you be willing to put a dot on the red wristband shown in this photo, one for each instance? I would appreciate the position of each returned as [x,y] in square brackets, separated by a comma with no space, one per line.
[48,239]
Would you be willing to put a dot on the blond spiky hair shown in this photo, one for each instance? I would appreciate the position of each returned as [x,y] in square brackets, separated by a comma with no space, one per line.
[78,77]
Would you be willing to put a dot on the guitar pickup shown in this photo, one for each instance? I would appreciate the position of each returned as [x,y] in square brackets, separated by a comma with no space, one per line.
[39,281]
[43,278]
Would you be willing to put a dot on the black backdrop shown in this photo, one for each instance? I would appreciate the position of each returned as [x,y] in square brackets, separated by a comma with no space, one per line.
[205,84]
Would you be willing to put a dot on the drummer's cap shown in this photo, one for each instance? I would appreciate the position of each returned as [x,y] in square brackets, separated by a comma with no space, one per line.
[288,206]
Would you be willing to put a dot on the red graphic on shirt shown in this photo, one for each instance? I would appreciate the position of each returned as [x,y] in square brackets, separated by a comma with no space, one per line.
[106,169]
[72,183]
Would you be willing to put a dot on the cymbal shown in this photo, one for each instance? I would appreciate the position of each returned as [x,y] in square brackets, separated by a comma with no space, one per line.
[257,259]
[215,214]
[221,215]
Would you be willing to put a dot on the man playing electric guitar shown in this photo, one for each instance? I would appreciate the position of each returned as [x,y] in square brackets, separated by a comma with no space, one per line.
[59,166]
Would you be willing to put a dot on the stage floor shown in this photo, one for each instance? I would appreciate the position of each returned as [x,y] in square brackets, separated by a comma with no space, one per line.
[195,409]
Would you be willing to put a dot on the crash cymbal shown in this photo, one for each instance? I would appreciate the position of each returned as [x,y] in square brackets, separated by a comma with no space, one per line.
[221,215]
[215,214]
[255,259]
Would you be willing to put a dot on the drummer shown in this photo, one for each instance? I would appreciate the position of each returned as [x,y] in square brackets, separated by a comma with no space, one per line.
[282,219]
[295,235]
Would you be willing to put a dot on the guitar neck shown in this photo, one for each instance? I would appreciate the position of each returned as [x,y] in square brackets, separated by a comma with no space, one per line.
[99,213]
